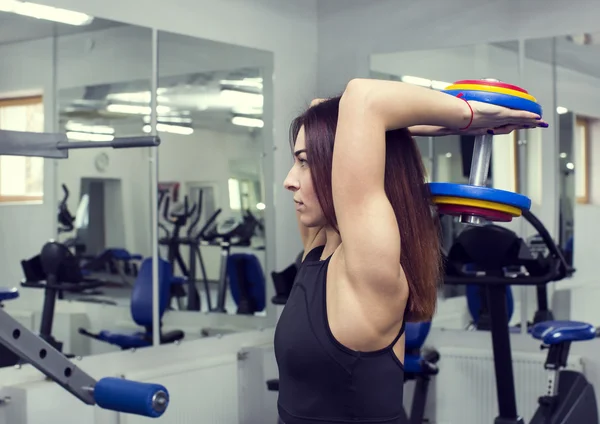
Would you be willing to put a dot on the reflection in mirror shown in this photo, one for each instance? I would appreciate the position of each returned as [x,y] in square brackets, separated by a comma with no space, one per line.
[211,192]
[448,159]
[573,60]
[104,194]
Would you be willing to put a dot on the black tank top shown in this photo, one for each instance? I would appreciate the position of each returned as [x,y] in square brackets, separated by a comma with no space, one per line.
[322,381]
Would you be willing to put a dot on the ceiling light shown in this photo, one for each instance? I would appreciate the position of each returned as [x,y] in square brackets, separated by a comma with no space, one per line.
[96,129]
[570,165]
[423,82]
[170,120]
[247,110]
[82,136]
[563,155]
[246,82]
[173,129]
[48,13]
[561,110]
[242,98]
[245,121]
[439,85]
[137,96]
[448,155]
[135,109]
[261,206]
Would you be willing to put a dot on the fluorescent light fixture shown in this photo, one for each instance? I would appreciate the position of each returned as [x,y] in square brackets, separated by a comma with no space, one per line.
[261,206]
[137,97]
[242,99]
[439,85]
[48,13]
[256,83]
[247,110]
[96,129]
[170,120]
[423,82]
[561,110]
[82,136]
[173,129]
[245,121]
[136,109]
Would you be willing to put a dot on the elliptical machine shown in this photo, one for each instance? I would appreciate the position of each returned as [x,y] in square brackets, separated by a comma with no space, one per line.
[507,261]
[248,290]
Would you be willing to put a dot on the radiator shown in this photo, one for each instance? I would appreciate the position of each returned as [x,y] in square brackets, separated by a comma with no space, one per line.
[464,392]
[202,392]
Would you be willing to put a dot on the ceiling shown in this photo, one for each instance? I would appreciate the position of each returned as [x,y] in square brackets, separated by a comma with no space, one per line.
[577,57]
[16,28]
[208,99]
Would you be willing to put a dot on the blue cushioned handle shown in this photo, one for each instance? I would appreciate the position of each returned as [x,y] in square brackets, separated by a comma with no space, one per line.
[555,332]
[481,193]
[8,294]
[131,397]
[499,99]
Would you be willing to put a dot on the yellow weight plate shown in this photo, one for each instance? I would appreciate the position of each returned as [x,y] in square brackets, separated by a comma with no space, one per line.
[492,89]
[484,204]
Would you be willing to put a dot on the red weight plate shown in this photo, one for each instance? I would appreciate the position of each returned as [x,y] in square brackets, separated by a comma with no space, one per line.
[470,210]
[492,84]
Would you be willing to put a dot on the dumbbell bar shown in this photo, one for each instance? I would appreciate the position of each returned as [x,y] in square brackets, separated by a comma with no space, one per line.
[474,203]
[131,397]
[57,146]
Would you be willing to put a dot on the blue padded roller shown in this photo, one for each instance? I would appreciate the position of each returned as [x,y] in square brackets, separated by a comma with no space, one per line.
[480,193]
[499,99]
[8,294]
[555,332]
[252,271]
[416,333]
[131,397]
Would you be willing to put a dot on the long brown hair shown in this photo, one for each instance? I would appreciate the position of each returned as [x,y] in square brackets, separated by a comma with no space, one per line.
[406,190]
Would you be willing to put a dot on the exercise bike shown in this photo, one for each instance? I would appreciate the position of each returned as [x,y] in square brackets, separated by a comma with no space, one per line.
[503,259]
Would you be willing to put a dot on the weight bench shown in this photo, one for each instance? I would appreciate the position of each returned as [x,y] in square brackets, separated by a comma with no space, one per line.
[141,310]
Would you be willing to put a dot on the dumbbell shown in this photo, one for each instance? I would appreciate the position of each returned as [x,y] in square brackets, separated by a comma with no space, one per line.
[474,203]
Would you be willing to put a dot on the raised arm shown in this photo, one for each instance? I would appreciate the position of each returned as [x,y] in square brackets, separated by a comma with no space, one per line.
[366,220]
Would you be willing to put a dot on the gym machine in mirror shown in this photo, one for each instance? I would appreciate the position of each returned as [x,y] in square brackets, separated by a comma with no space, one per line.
[116,394]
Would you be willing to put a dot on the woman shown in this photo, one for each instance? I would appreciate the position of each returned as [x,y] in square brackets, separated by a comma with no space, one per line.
[372,255]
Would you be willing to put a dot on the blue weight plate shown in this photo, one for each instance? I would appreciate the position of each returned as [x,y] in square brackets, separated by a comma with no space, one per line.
[498,99]
[480,193]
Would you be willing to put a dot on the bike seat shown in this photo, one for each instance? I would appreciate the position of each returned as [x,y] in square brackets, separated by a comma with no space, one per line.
[8,294]
[555,332]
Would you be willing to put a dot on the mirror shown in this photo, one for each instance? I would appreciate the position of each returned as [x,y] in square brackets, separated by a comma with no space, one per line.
[212,99]
[104,194]
[573,61]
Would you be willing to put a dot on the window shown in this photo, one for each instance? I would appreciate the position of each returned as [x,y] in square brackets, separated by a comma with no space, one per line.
[22,178]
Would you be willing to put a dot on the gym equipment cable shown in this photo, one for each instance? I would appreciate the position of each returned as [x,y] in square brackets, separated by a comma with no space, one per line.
[116,394]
